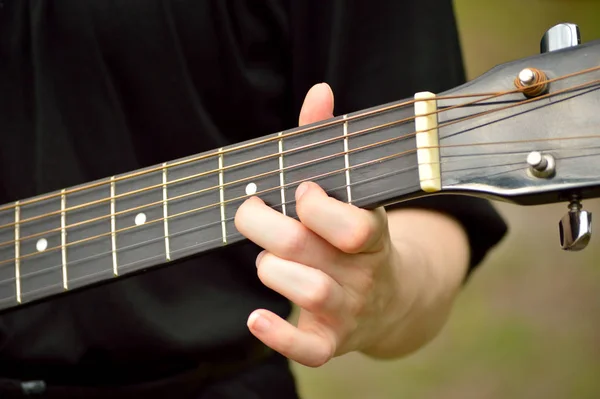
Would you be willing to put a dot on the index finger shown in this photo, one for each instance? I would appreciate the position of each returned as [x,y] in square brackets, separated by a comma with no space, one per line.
[345,226]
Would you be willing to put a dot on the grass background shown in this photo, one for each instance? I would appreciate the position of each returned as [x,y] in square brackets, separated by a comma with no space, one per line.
[527,325]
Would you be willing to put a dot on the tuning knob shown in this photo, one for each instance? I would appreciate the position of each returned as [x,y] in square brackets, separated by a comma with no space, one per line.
[575,228]
[559,37]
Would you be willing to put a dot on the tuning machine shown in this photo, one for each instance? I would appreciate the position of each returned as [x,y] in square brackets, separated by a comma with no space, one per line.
[532,82]
[575,227]
[560,36]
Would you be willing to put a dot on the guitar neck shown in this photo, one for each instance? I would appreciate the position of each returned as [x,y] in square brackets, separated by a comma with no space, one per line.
[99,231]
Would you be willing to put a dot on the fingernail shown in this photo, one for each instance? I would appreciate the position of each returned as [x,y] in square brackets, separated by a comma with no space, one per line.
[258,322]
[259,257]
[301,190]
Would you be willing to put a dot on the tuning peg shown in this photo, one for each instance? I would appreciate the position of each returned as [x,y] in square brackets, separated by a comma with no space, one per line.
[559,37]
[575,227]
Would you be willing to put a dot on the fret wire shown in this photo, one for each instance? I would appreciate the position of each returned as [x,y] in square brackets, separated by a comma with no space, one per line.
[577,87]
[260,175]
[413,134]
[214,171]
[366,163]
[113,238]
[302,164]
[222,198]
[17,219]
[290,134]
[63,239]
[313,177]
[253,144]
[281,176]
[488,96]
[17,252]
[165,212]
[347,160]
[196,228]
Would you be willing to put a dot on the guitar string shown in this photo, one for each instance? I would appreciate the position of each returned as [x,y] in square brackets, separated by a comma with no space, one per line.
[207,189]
[277,171]
[279,187]
[225,168]
[229,219]
[279,154]
[298,131]
[201,227]
[216,223]
[112,198]
[210,172]
[294,133]
[272,155]
[275,188]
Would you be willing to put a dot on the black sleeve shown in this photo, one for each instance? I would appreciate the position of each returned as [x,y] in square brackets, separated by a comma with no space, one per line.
[380,51]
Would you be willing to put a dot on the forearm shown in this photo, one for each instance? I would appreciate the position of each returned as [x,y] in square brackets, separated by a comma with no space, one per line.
[430,259]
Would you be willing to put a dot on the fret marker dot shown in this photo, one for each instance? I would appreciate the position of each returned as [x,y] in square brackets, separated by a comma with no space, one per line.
[251,189]
[41,244]
[140,219]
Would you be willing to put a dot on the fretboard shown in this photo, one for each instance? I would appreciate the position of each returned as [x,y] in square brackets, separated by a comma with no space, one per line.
[124,224]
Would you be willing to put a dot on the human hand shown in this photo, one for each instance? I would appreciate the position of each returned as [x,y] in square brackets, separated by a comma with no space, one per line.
[337,263]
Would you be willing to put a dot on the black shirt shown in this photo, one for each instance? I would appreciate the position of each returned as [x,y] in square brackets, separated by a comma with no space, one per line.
[94,88]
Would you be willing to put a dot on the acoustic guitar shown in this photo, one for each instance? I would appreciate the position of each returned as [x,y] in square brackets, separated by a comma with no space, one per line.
[525,132]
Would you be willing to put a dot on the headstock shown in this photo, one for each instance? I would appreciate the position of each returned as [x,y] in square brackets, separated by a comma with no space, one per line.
[534,135]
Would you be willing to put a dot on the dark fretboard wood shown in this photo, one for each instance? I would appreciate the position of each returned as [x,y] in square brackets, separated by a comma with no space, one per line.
[149,217]
[103,230]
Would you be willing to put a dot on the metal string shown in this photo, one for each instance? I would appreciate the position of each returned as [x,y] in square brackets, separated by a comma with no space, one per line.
[279,187]
[229,219]
[276,171]
[333,172]
[487,96]
[197,228]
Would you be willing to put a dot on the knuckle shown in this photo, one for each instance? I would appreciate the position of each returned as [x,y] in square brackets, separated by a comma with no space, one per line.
[319,293]
[323,353]
[358,237]
[295,242]
[318,361]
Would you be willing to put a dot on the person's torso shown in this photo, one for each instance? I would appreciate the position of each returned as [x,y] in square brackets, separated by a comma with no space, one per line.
[91,89]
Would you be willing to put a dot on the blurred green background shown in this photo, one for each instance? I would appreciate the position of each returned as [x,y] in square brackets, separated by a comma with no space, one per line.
[528,323]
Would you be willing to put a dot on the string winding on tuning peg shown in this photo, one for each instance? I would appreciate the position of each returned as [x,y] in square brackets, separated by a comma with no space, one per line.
[532,82]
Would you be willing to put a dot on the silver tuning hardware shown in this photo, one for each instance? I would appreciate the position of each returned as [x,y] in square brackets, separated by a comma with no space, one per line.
[559,37]
[575,227]
[541,165]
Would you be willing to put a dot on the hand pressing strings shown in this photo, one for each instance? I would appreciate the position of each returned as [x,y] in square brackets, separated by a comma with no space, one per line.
[337,263]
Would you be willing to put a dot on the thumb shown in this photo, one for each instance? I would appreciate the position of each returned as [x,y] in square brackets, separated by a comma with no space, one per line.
[318,104]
